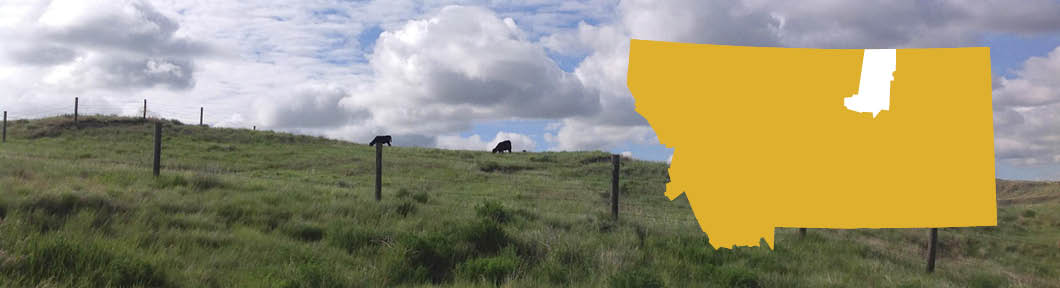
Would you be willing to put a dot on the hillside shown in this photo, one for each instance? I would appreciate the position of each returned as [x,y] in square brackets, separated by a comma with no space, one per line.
[233,207]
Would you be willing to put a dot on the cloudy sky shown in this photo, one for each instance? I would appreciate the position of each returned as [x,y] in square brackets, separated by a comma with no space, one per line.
[549,75]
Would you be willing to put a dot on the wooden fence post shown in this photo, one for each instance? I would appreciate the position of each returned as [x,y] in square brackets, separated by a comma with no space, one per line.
[615,159]
[145,109]
[75,111]
[932,246]
[200,116]
[5,127]
[378,171]
[158,148]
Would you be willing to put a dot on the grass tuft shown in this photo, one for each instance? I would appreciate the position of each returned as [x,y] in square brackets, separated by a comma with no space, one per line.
[494,211]
[203,182]
[493,166]
[56,258]
[315,275]
[636,278]
[303,231]
[50,211]
[354,238]
[493,270]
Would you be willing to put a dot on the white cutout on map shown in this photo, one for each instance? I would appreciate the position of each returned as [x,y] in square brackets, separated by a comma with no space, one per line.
[874,90]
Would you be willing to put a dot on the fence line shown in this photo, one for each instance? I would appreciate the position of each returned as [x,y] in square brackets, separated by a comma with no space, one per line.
[187,115]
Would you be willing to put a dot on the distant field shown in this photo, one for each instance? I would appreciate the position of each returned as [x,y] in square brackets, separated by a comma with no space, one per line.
[241,208]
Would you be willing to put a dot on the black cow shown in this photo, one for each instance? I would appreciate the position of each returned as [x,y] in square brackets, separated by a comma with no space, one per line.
[380,140]
[503,146]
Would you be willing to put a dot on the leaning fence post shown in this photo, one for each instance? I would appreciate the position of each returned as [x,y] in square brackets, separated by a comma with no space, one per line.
[932,246]
[158,148]
[378,171]
[75,111]
[615,159]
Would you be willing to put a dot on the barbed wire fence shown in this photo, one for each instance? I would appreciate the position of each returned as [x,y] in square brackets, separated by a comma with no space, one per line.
[211,113]
[675,218]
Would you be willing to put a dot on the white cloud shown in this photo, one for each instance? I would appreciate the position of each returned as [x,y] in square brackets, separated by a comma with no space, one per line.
[1035,84]
[1027,113]
[466,64]
[67,47]
[901,24]
[312,106]
[474,142]
[577,134]
[627,154]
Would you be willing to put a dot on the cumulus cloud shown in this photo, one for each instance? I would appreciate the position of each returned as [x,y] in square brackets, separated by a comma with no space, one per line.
[113,45]
[1035,84]
[313,106]
[1027,113]
[606,51]
[466,64]
[475,142]
[900,24]
[715,22]
[436,75]
[577,134]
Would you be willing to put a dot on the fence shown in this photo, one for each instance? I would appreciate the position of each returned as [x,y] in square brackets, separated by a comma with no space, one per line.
[183,115]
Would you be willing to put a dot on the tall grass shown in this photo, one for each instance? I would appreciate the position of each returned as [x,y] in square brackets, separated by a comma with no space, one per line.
[238,208]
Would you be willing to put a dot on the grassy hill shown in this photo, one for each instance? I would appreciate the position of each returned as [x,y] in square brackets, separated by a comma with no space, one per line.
[79,207]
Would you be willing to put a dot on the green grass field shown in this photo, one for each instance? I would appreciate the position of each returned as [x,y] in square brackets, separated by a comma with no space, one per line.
[240,208]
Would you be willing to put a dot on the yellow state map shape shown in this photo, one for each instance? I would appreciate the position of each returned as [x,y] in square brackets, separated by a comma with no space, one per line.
[762,138]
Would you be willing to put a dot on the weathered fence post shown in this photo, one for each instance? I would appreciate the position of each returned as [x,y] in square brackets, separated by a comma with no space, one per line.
[615,159]
[378,171]
[255,127]
[158,147]
[75,111]
[5,127]
[802,232]
[145,109]
[200,116]
[932,246]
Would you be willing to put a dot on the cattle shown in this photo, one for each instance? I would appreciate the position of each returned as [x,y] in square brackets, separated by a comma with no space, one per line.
[505,145]
[380,140]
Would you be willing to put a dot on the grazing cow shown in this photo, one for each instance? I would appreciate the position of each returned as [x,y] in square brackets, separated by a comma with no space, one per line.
[380,140]
[503,146]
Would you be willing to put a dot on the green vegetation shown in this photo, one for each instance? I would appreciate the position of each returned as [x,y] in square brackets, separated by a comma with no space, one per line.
[79,208]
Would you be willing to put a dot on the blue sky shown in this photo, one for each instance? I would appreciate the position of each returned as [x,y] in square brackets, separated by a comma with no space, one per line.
[466,74]
[1007,54]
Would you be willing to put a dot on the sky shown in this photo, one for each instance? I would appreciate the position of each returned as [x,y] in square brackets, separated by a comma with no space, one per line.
[548,75]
